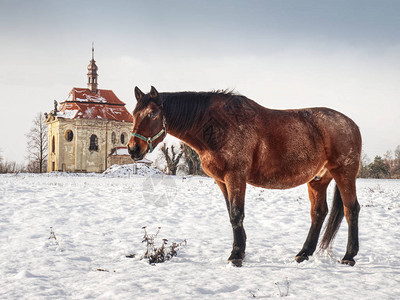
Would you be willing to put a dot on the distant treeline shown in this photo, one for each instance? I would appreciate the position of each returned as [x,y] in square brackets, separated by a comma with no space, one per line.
[387,167]
[11,167]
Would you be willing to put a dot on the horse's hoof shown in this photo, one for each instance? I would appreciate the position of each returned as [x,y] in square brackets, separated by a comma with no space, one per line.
[349,262]
[236,255]
[301,258]
[236,262]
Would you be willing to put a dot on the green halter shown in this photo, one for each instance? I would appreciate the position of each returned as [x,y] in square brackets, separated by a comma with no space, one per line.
[150,140]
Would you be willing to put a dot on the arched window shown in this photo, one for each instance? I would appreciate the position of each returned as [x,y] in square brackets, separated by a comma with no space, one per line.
[113,138]
[69,135]
[123,138]
[53,144]
[94,143]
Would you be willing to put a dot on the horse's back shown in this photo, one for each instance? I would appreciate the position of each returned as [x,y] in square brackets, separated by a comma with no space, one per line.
[339,133]
[294,145]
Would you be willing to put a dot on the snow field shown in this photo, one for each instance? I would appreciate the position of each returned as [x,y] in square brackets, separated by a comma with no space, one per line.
[97,220]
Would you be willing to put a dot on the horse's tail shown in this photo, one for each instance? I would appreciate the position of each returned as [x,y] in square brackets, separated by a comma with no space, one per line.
[335,218]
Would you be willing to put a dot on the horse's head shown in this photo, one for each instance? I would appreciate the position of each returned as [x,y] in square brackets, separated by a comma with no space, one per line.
[148,124]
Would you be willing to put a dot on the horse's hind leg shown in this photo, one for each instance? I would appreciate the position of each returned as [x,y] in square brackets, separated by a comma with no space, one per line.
[224,191]
[319,209]
[347,187]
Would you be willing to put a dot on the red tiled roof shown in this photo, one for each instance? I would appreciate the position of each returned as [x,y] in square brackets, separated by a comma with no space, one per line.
[82,104]
[85,95]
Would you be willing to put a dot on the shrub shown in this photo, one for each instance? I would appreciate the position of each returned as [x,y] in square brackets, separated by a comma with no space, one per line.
[160,254]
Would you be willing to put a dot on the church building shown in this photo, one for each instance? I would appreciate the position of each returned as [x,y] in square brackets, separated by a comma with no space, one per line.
[89,130]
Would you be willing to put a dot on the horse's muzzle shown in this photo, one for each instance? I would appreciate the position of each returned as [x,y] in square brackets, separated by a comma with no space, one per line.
[135,152]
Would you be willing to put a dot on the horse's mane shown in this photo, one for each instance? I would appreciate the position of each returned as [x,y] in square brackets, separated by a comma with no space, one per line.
[184,109]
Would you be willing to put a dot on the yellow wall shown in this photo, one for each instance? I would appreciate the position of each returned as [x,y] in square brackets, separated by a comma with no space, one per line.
[75,156]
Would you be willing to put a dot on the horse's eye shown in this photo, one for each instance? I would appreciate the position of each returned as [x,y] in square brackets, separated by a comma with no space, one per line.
[153,115]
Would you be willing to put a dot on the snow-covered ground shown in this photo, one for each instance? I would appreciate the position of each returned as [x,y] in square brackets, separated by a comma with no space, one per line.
[97,220]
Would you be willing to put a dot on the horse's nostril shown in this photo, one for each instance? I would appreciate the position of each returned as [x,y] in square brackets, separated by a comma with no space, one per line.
[135,150]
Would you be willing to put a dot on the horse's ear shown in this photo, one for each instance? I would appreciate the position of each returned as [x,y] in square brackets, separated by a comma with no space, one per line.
[155,96]
[138,94]
[153,92]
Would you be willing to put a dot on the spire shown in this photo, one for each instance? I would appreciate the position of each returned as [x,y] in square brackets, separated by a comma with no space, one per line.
[92,73]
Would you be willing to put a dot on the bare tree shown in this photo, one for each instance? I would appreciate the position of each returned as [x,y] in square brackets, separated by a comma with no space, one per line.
[37,145]
[389,161]
[364,163]
[396,167]
[397,153]
[1,162]
[10,166]
[171,159]
[192,160]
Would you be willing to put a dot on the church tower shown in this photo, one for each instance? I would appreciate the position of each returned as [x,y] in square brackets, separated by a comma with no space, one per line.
[92,74]
[89,130]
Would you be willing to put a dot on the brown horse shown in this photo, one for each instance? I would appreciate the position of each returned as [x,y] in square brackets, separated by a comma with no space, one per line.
[240,141]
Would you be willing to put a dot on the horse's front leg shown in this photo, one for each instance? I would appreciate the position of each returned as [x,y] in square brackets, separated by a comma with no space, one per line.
[234,191]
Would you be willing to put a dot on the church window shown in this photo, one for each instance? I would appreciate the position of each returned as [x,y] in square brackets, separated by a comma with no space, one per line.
[69,135]
[113,138]
[94,143]
[123,138]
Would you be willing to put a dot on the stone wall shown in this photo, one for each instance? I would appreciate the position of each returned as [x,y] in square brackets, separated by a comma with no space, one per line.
[119,160]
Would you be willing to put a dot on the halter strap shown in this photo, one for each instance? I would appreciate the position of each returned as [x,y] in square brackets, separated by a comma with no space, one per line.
[150,140]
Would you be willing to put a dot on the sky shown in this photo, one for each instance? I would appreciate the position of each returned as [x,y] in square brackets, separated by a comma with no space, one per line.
[341,54]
